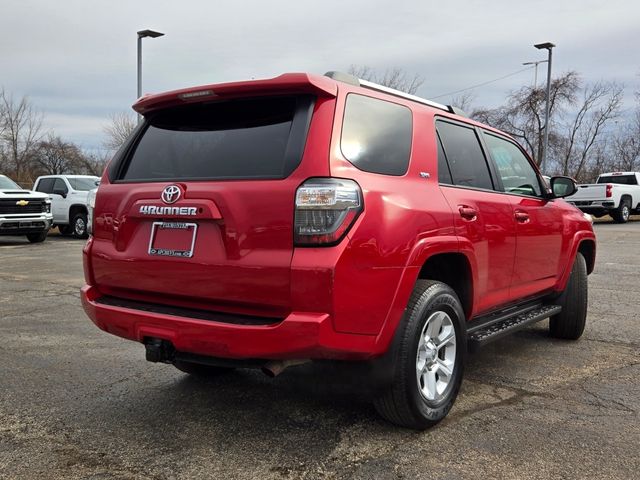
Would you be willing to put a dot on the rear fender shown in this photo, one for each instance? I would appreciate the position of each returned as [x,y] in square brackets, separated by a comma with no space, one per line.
[421,252]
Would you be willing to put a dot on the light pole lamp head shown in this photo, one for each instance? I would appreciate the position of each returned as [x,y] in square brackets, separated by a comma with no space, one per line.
[545,46]
[149,33]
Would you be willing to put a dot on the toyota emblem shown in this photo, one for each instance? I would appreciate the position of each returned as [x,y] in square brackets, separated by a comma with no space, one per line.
[171,194]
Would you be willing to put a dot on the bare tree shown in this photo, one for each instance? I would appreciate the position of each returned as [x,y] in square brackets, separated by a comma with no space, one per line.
[523,115]
[94,163]
[20,132]
[464,101]
[626,145]
[392,77]
[600,104]
[54,156]
[119,129]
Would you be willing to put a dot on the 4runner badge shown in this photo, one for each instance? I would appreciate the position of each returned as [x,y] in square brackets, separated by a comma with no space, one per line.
[171,194]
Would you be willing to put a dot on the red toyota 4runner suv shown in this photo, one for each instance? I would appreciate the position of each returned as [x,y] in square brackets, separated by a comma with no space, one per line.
[269,222]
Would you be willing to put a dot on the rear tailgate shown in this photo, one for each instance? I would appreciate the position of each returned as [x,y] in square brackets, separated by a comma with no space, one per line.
[593,191]
[200,212]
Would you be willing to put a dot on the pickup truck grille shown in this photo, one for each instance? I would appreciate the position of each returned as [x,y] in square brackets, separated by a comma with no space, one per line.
[13,207]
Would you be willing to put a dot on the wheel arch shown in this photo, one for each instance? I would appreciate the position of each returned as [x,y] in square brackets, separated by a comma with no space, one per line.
[585,243]
[454,270]
[75,209]
[626,196]
[587,248]
[426,262]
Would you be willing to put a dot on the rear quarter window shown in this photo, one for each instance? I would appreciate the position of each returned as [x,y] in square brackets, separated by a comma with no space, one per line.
[376,135]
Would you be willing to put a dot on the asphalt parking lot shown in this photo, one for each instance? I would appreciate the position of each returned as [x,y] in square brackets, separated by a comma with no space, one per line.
[78,403]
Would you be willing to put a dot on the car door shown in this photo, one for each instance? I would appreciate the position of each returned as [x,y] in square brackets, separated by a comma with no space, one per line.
[60,201]
[483,216]
[538,221]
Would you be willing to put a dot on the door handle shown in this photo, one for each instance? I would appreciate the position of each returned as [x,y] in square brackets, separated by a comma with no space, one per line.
[468,213]
[522,217]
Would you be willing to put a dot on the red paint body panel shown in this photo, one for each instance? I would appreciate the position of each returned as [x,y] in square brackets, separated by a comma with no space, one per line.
[490,239]
[343,301]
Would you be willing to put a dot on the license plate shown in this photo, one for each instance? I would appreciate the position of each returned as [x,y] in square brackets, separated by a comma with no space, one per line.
[172,239]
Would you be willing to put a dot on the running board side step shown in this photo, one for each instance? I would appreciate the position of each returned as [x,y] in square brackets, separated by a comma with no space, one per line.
[489,331]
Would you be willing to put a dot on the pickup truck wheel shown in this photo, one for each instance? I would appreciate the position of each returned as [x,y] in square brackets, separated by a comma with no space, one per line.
[79,225]
[621,214]
[37,237]
[199,370]
[428,358]
[65,230]
[569,323]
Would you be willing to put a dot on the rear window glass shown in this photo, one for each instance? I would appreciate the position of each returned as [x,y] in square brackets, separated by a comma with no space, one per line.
[376,135]
[620,179]
[258,138]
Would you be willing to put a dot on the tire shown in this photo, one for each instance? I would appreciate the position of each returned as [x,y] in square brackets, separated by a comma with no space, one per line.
[37,237]
[199,370]
[420,400]
[622,213]
[79,225]
[570,322]
[65,230]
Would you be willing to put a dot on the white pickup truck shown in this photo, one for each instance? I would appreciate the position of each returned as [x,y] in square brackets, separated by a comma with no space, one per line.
[68,194]
[23,212]
[616,194]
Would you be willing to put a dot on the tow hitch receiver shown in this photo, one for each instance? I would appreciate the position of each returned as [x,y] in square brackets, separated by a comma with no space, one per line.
[158,350]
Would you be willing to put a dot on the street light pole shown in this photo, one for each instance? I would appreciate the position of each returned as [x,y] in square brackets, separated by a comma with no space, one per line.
[141,35]
[545,142]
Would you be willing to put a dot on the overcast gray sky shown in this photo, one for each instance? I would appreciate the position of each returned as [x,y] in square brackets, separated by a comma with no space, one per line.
[76,59]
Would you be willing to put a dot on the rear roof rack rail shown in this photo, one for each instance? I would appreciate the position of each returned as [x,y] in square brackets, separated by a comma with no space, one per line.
[353,80]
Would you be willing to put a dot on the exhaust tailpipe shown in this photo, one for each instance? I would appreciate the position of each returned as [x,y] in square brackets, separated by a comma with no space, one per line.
[158,350]
[276,367]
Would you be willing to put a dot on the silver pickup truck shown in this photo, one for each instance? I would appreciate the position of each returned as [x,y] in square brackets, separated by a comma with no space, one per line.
[616,194]
[23,212]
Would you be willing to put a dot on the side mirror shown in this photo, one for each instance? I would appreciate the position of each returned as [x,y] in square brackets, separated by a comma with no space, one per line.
[59,191]
[563,186]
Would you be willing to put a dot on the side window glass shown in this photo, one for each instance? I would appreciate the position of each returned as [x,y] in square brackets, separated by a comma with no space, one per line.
[464,155]
[444,175]
[376,135]
[45,185]
[60,185]
[514,169]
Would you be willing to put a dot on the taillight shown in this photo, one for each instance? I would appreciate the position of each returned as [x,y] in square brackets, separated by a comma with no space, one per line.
[609,192]
[325,210]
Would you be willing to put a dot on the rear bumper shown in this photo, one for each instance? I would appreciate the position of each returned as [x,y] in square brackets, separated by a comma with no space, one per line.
[595,207]
[301,335]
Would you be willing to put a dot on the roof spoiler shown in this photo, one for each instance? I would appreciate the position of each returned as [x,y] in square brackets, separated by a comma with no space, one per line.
[289,82]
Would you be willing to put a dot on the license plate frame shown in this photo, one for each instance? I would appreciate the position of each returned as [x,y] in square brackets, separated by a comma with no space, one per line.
[154,250]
